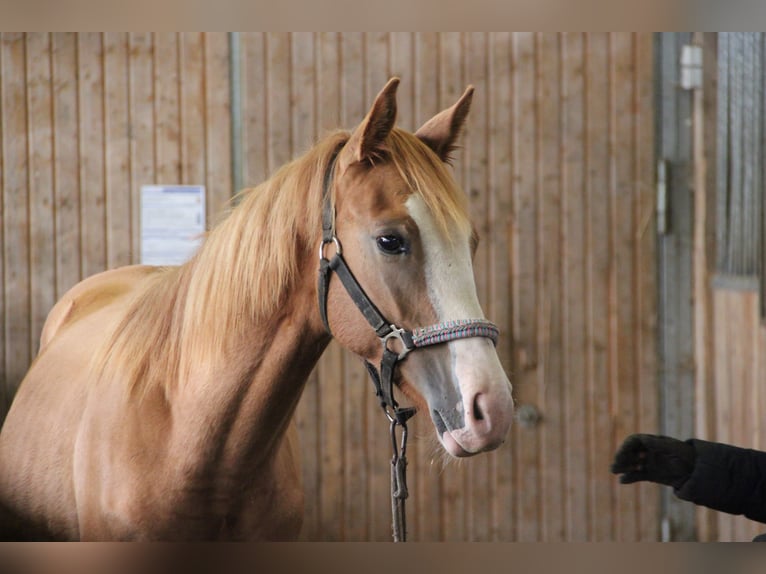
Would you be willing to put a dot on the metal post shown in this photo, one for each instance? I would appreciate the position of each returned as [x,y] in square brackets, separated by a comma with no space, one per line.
[673,107]
[235,87]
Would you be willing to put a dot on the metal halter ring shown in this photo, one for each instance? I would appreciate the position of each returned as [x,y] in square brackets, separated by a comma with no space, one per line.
[396,333]
[338,250]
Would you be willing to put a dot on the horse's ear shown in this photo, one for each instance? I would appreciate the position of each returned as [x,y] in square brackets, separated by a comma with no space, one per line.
[366,143]
[441,132]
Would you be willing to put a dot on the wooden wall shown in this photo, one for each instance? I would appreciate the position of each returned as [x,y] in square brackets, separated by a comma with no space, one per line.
[85,120]
[738,393]
[557,160]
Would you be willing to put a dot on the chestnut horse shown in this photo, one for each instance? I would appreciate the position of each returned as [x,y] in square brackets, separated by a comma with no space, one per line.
[159,406]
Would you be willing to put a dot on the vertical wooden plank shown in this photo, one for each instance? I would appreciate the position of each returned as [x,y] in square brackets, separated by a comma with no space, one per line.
[376,72]
[333,473]
[551,374]
[41,218]
[574,257]
[705,143]
[500,212]
[749,415]
[305,91]
[216,125]
[624,228]
[725,320]
[427,78]
[91,105]
[525,260]
[329,80]
[141,112]
[451,68]
[740,379]
[166,108]
[480,484]
[646,270]
[428,469]
[192,105]
[119,205]
[15,192]
[755,412]
[601,444]
[279,147]
[66,161]
[254,90]
[402,50]
[358,459]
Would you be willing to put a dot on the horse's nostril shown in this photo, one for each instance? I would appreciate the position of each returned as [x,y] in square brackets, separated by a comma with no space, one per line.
[477,412]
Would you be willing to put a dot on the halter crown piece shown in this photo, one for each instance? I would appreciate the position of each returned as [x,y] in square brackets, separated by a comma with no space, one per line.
[383,378]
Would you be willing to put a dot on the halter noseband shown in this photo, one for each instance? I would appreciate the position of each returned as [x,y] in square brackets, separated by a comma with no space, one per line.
[383,379]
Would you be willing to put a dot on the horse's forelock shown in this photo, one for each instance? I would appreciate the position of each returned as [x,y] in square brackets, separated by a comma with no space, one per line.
[428,176]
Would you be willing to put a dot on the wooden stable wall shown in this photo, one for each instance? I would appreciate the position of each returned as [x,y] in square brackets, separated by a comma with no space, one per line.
[738,394]
[85,120]
[558,162]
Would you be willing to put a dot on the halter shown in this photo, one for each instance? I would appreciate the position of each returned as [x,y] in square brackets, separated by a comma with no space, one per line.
[383,378]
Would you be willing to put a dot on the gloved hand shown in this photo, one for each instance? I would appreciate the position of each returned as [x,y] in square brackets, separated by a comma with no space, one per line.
[660,459]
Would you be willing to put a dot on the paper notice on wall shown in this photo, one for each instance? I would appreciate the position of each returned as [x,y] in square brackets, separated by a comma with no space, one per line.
[172,223]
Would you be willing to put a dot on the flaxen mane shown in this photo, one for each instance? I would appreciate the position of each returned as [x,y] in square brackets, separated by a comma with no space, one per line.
[248,264]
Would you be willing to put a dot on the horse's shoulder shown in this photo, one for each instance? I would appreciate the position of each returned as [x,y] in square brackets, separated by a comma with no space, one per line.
[92,294]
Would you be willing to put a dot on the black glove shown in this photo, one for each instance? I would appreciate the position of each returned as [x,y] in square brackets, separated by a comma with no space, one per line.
[655,458]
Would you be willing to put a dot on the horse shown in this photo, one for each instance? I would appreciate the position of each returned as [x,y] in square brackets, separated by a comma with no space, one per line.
[160,404]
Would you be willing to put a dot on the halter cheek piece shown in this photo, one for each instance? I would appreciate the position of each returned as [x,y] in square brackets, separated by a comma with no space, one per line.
[383,379]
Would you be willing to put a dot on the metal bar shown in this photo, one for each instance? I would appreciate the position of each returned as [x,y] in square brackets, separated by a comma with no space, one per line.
[235,85]
[722,150]
[735,159]
[747,154]
[662,197]
[762,206]
[676,378]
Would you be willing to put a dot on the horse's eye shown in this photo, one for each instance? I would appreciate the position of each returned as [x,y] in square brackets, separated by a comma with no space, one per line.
[391,244]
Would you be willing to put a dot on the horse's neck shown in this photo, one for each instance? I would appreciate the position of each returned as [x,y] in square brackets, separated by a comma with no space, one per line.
[233,413]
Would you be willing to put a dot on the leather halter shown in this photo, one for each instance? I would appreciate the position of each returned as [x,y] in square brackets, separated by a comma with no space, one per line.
[383,379]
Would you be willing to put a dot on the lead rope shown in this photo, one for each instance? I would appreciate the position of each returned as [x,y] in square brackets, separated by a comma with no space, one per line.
[399,492]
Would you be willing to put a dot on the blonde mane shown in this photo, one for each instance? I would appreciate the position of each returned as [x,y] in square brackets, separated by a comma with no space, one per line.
[248,265]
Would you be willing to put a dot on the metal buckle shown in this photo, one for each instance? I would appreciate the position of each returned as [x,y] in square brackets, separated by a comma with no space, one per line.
[396,333]
[338,250]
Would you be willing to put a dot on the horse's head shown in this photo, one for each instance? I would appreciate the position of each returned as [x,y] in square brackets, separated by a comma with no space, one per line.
[403,226]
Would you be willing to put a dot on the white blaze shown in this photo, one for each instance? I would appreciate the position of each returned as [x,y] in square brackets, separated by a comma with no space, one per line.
[452,290]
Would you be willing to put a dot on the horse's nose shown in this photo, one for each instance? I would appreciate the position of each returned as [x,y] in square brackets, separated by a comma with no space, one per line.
[489,419]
